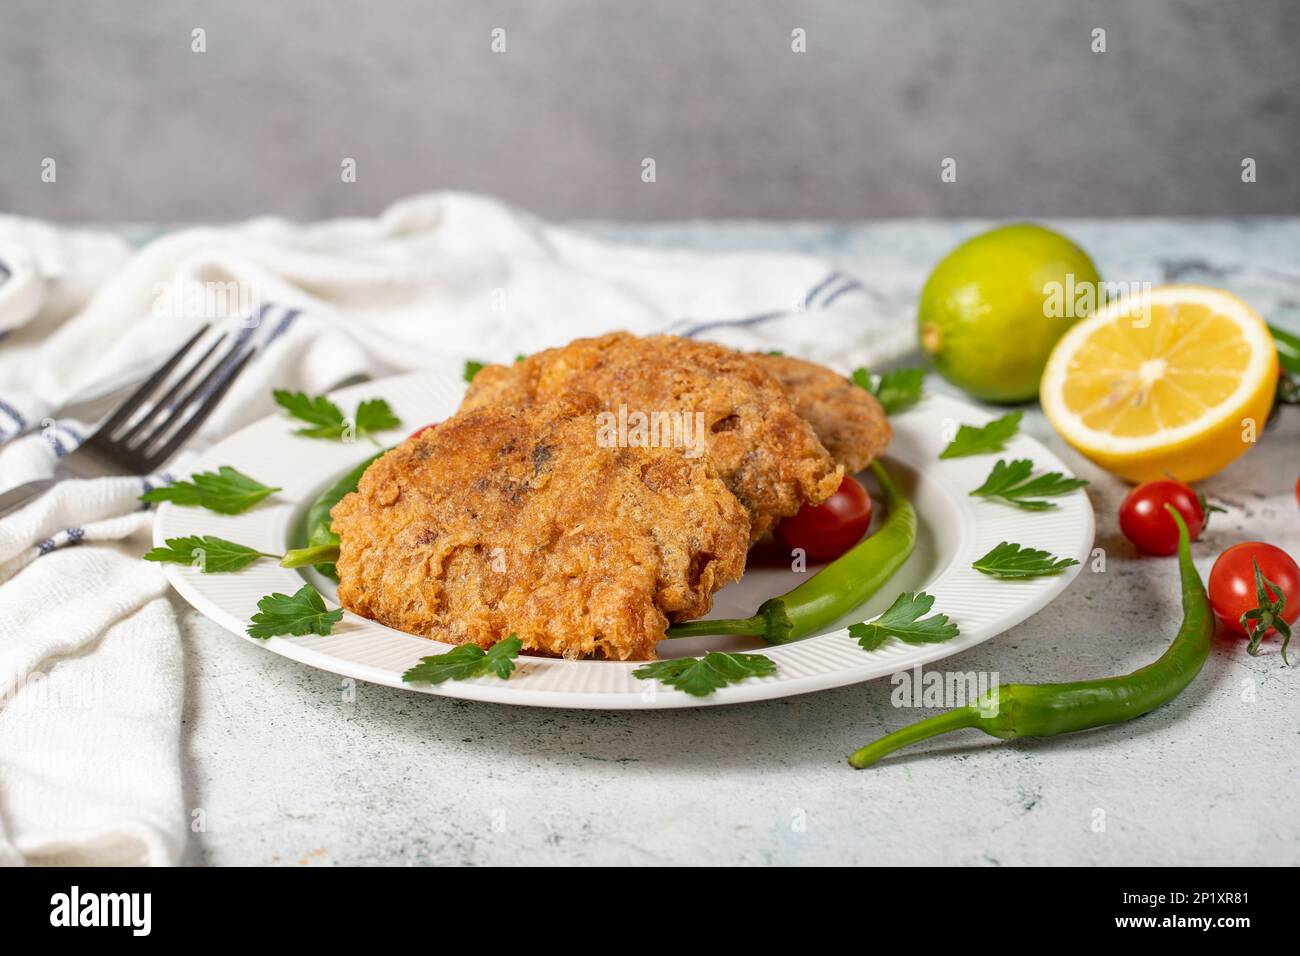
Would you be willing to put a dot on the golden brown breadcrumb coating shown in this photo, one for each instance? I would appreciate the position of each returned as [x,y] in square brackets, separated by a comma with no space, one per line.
[846,417]
[518,521]
[768,456]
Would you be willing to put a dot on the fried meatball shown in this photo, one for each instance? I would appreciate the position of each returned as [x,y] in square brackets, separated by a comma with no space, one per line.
[846,417]
[521,521]
[767,455]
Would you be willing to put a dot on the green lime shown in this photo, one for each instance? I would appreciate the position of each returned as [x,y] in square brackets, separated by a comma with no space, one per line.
[994,307]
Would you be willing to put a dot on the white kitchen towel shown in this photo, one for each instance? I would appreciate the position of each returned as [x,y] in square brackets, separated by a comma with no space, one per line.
[99,781]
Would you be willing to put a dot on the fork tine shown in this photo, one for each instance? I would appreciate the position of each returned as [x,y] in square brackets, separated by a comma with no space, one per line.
[197,393]
[163,405]
[178,408]
[137,398]
[208,398]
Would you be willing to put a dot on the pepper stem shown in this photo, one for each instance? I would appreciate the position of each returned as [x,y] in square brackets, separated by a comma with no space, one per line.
[921,730]
[317,554]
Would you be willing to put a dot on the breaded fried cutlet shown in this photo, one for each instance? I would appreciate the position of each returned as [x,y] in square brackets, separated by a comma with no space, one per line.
[768,456]
[847,418]
[519,521]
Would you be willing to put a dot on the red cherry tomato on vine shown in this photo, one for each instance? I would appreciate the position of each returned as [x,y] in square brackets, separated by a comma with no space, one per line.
[1232,583]
[420,431]
[827,530]
[1144,521]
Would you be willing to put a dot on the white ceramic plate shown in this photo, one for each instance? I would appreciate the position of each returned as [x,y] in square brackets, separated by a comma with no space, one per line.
[955,530]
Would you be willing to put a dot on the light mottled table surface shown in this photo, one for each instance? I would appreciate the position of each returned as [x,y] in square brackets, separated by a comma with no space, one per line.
[293,766]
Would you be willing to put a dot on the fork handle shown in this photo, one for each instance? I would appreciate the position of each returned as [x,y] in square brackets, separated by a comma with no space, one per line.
[19,495]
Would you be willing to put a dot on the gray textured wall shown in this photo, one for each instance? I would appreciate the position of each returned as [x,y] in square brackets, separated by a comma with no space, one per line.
[141,128]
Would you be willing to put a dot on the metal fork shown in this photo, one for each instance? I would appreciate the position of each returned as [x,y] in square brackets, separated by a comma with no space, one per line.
[129,443]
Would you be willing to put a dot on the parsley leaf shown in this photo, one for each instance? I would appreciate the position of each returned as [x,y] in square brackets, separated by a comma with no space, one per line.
[326,420]
[896,390]
[210,555]
[468,660]
[973,440]
[701,676]
[324,416]
[374,415]
[1012,561]
[225,491]
[297,614]
[905,619]
[472,368]
[1011,484]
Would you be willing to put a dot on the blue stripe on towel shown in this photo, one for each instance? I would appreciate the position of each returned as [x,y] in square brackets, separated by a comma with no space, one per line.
[817,289]
[849,286]
[282,326]
[67,538]
[694,328]
[19,422]
[732,323]
[837,282]
[62,438]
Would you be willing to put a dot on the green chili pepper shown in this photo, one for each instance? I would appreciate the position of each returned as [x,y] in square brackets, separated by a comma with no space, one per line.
[835,590]
[322,548]
[1042,710]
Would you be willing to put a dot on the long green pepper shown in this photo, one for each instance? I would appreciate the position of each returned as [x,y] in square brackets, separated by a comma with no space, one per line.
[322,548]
[1043,710]
[834,590]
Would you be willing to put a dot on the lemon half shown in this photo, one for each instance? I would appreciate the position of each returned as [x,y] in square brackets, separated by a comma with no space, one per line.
[1176,380]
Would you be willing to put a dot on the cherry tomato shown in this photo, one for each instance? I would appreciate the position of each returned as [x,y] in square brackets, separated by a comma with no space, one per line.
[1232,582]
[420,431]
[1144,521]
[827,530]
